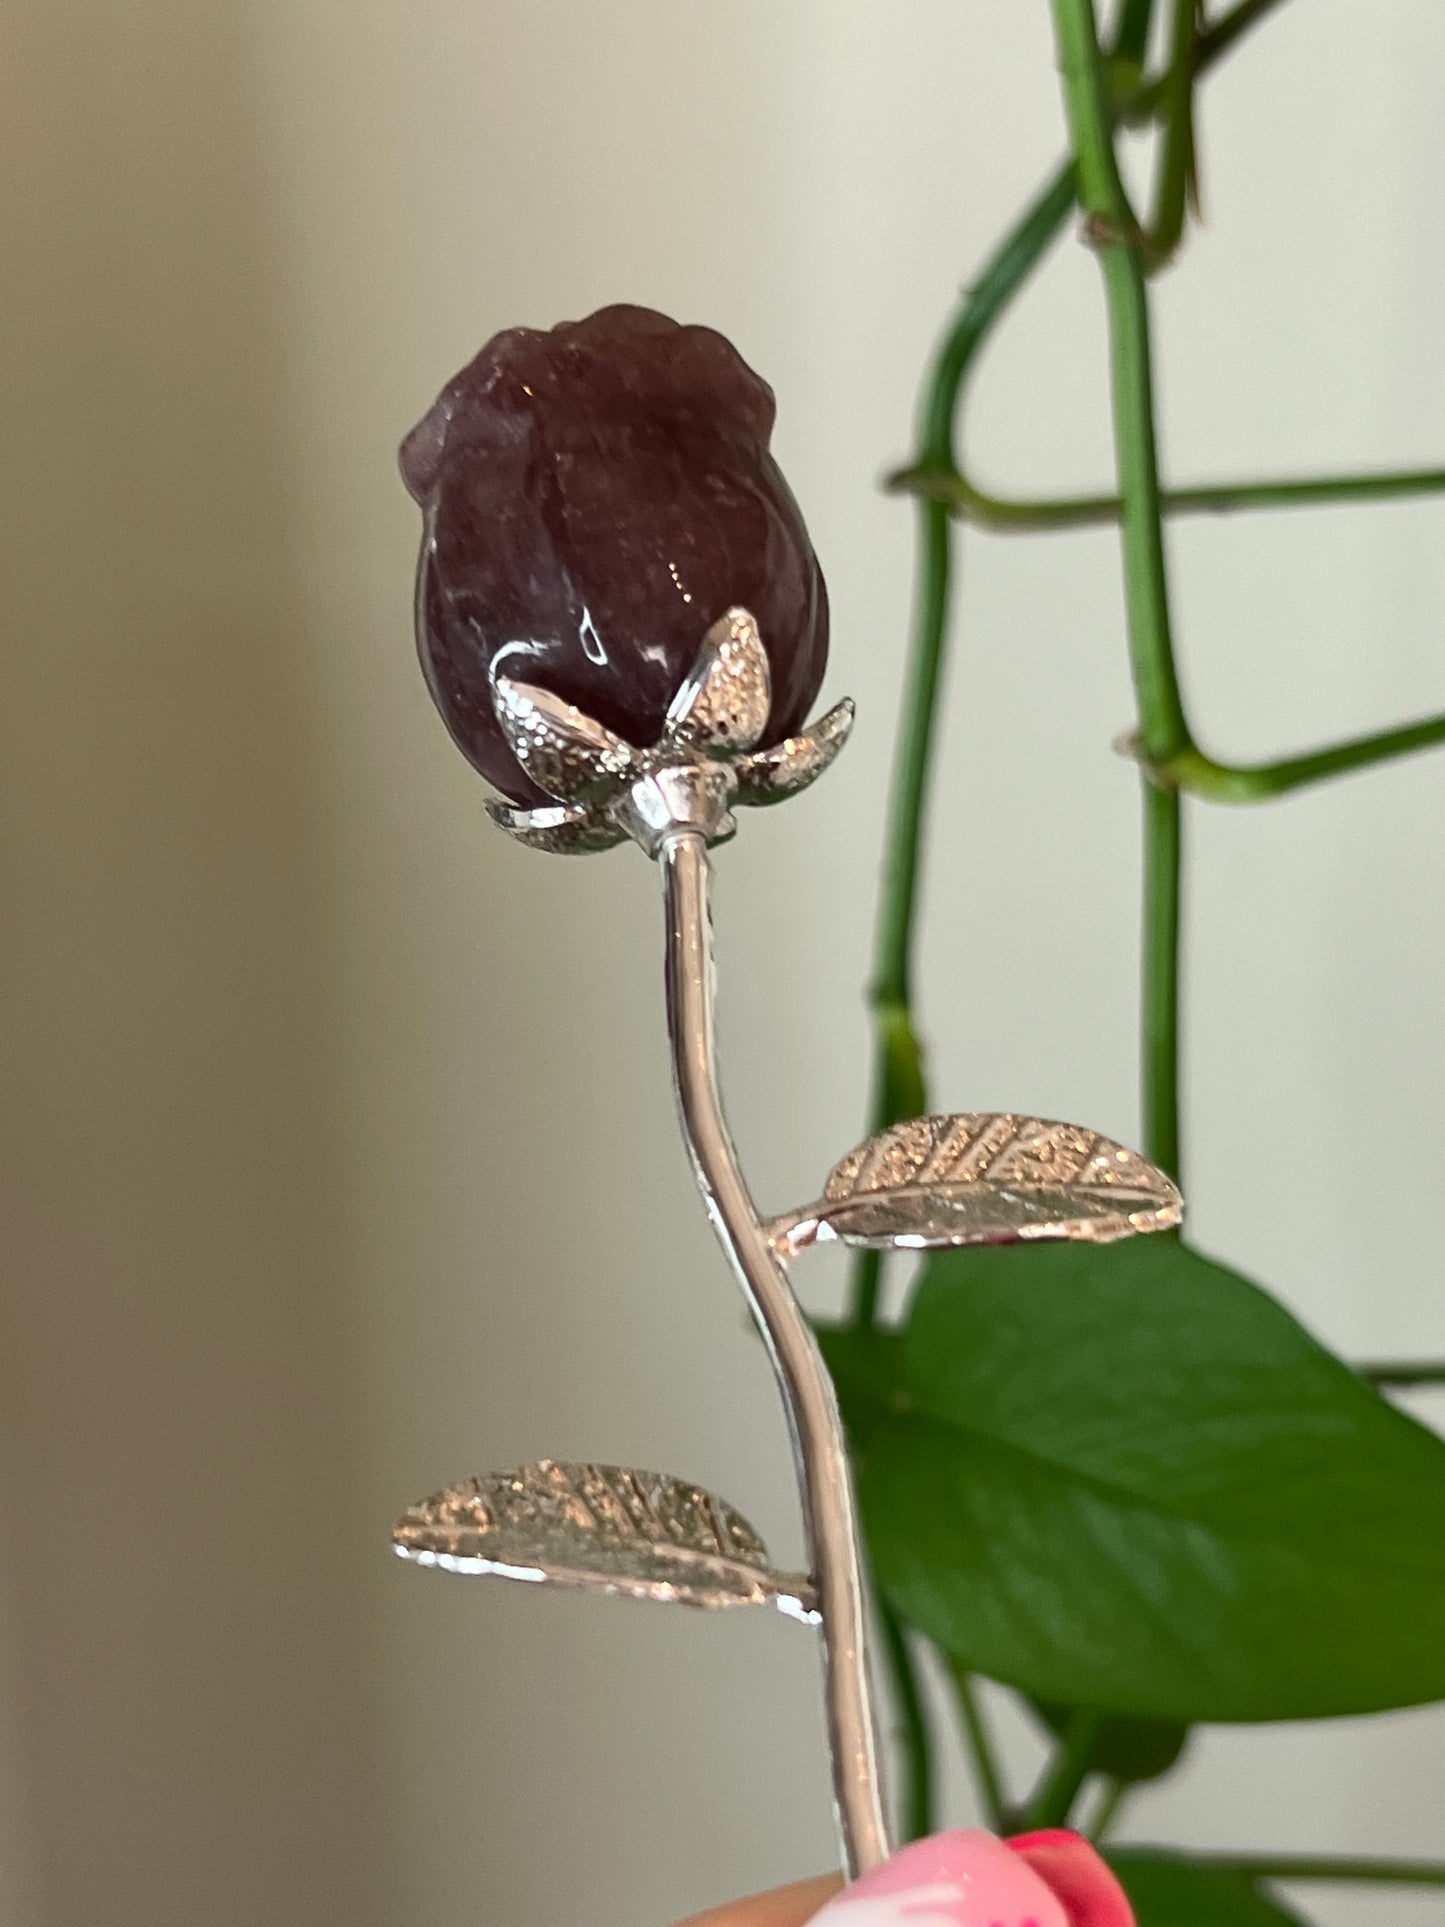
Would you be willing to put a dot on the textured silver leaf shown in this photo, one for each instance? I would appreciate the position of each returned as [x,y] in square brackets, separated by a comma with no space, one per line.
[725,701]
[605,1527]
[985,1178]
[562,829]
[565,751]
[770,775]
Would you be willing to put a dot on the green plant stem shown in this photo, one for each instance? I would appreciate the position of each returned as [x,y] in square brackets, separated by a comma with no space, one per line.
[1144,101]
[900,1061]
[1404,1373]
[992,1794]
[1218,38]
[1307,1866]
[866,1282]
[1131,35]
[1176,149]
[1110,1806]
[1219,782]
[915,1804]
[1064,1777]
[1017,515]
[1163,731]
[898,1082]
[1160,976]
[899,1088]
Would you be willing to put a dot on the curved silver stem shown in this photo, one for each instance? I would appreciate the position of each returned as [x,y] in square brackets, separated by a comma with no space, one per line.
[829,1518]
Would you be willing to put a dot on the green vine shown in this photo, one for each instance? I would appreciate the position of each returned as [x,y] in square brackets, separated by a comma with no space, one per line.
[1107,89]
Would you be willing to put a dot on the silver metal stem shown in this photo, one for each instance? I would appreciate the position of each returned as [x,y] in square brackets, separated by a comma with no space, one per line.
[829,1519]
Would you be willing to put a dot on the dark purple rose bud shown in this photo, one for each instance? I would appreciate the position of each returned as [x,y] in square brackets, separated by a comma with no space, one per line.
[596,498]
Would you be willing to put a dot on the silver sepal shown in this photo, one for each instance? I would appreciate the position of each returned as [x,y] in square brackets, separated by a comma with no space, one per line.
[704,761]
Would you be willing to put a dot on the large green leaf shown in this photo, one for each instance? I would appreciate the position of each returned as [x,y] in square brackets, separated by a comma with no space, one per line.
[1170,1890]
[1131,1750]
[867,1369]
[1126,1478]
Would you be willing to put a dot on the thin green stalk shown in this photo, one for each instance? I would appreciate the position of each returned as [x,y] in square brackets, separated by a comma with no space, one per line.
[1176,148]
[1131,35]
[1221,35]
[915,1804]
[1192,770]
[899,1061]
[1310,1866]
[898,1085]
[1146,589]
[1163,730]
[1114,231]
[1404,1373]
[1064,1777]
[1004,273]
[898,1074]
[1111,1805]
[1160,992]
[1015,515]
[992,1794]
[898,1081]
[1141,104]
[1129,54]
[866,1284]
[899,1089]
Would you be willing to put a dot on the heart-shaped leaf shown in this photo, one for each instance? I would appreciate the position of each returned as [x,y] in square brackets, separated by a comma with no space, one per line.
[985,1178]
[1129,1750]
[605,1527]
[1126,1478]
[1171,1890]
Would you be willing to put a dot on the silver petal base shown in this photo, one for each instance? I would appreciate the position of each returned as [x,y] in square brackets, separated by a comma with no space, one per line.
[561,829]
[608,790]
[773,775]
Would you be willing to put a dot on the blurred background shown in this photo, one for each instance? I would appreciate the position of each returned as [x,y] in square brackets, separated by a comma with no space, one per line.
[338,1150]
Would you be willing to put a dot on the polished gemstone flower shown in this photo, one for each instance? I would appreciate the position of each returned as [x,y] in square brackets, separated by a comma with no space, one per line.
[596,498]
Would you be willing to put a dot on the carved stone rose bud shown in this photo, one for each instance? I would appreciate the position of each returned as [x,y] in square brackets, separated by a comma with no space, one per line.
[597,497]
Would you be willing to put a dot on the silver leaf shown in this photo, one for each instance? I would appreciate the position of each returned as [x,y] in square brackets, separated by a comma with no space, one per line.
[771,775]
[604,1527]
[986,1177]
[566,752]
[725,701]
[558,828]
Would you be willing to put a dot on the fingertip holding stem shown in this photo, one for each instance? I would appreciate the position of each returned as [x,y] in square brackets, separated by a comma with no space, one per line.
[971,1878]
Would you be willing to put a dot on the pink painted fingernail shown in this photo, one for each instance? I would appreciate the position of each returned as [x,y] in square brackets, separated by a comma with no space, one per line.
[973,1879]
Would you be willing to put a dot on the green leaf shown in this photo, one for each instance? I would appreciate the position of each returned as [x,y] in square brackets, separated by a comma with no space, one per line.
[1123,1477]
[867,1369]
[1131,1750]
[1170,1890]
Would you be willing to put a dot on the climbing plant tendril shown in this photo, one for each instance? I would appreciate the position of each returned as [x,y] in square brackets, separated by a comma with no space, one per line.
[949,1573]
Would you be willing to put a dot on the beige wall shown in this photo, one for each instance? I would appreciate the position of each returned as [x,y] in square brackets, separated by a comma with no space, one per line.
[337,1152]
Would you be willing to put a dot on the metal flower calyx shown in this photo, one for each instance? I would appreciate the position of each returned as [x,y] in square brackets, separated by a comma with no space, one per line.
[938,1181]
[705,760]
